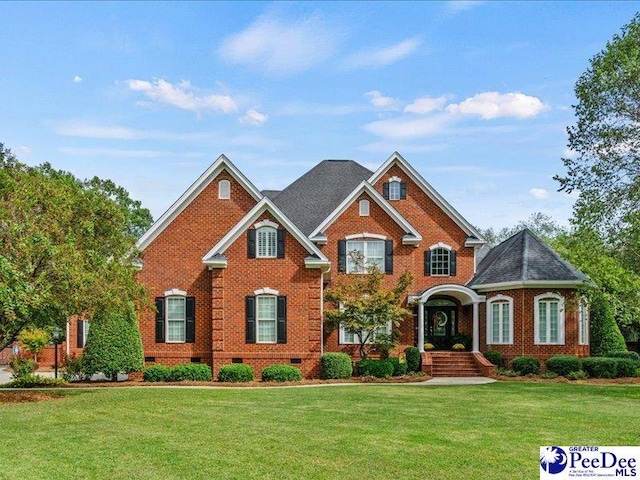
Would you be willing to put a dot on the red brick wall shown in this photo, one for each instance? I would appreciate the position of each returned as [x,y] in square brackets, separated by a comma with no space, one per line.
[524,325]
[174,260]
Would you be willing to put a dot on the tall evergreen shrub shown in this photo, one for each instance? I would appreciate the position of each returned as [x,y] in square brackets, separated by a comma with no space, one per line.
[605,334]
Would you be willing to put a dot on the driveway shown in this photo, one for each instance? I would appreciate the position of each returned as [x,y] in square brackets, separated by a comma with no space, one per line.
[5,374]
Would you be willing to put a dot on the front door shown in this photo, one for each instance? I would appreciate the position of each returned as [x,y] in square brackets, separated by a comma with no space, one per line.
[440,325]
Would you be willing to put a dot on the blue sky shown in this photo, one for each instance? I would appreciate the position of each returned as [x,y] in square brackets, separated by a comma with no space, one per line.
[476,95]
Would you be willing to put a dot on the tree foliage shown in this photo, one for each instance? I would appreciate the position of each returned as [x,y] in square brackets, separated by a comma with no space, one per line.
[606,142]
[66,246]
[364,307]
[605,336]
[34,340]
[113,343]
[543,225]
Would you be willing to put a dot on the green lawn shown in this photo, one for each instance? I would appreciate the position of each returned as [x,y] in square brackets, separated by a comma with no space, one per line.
[359,432]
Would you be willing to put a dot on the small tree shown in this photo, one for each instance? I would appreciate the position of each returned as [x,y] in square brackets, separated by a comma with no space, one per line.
[34,340]
[113,344]
[365,308]
[605,334]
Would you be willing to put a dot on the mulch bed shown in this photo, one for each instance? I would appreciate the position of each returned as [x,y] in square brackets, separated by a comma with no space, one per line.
[27,396]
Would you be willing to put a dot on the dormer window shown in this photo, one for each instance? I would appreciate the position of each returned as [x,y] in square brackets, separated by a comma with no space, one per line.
[394,189]
[224,190]
[364,208]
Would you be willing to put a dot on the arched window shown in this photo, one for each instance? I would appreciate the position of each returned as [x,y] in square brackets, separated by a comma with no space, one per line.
[267,242]
[176,317]
[500,320]
[364,208]
[224,190]
[440,261]
[266,318]
[394,190]
[549,319]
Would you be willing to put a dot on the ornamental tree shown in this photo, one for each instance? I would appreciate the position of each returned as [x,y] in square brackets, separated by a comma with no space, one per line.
[34,340]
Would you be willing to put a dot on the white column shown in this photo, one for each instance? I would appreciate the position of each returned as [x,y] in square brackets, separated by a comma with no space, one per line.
[476,329]
[421,326]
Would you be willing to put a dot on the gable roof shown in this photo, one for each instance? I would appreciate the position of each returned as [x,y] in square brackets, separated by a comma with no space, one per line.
[524,260]
[411,234]
[215,257]
[314,196]
[439,200]
[222,163]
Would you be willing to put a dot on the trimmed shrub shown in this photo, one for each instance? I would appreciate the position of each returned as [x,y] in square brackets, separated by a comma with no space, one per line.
[414,360]
[605,336]
[399,368]
[336,365]
[626,367]
[526,365]
[156,373]
[375,368]
[113,344]
[429,346]
[458,346]
[281,373]
[564,364]
[73,368]
[600,367]
[494,356]
[630,355]
[35,381]
[194,372]
[577,375]
[22,367]
[235,372]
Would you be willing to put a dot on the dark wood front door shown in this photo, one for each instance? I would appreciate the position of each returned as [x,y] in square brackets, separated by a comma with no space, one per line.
[441,325]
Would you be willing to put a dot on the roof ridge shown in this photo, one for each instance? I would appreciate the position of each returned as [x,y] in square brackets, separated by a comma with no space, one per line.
[557,256]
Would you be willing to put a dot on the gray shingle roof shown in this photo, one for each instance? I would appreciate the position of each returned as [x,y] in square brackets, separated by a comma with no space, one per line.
[312,197]
[521,258]
[271,194]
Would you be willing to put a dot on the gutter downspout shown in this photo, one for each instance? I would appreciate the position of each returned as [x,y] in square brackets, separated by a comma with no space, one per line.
[321,314]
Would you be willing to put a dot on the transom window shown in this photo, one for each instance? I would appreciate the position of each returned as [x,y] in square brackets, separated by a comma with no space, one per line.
[364,253]
[176,319]
[267,242]
[583,325]
[266,316]
[394,190]
[549,319]
[500,320]
[224,189]
[440,261]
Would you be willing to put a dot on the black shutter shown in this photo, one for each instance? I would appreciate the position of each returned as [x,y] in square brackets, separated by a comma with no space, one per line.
[80,336]
[342,256]
[251,243]
[280,248]
[160,320]
[282,320]
[452,263]
[190,333]
[403,191]
[250,303]
[385,190]
[388,256]
[427,262]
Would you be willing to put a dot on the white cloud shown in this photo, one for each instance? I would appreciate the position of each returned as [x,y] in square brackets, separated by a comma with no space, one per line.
[122,153]
[490,105]
[279,47]
[454,7]
[380,101]
[182,96]
[426,105]
[77,79]
[88,130]
[302,108]
[539,193]
[24,150]
[383,56]
[254,117]
[403,127]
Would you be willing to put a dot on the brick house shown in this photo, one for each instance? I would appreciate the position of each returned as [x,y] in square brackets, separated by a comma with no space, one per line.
[238,275]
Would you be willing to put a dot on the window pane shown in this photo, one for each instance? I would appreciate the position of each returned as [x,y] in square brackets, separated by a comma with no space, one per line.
[175,308]
[553,322]
[364,208]
[375,254]
[439,261]
[394,190]
[267,238]
[355,257]
[542,321]
[266,319]
[348,337]
[506,321]
[176,331]
[267,331]
[495,323]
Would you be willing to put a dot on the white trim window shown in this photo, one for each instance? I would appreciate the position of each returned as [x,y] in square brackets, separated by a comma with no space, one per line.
[394,190]
[351,338]
[266,319]
[224,190]
[364,208]
[583,323]
[440,261]
[549,319]
[364,253]
[176,319]
[267,240]
[500,320]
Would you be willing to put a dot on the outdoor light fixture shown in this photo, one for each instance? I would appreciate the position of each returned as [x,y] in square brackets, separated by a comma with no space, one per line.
[55,333]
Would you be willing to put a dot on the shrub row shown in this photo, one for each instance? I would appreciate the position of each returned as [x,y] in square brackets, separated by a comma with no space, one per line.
[195,372]
[619,364]
[281,373]
[235,372]
[34,381]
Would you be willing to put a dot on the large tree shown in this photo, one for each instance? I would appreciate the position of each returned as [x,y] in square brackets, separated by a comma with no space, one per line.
[605,168]
[543,225]
[66,246]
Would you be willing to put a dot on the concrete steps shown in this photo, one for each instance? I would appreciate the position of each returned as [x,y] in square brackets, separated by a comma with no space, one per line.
[454,364]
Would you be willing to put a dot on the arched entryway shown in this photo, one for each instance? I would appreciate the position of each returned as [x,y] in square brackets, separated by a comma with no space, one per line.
[438,314]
